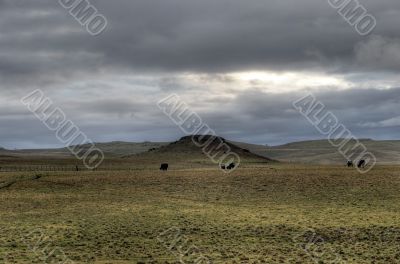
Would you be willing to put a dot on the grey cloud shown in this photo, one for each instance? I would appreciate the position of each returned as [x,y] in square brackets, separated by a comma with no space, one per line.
[42,46]
[270,118]
[178,35]
[251,116]
[379,54]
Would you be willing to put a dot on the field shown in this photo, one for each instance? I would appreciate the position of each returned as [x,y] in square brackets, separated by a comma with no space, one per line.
[271,213]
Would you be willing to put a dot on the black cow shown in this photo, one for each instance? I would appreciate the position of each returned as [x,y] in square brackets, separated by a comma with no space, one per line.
[361,164]
[223,167]
[231,166]
[164,167]
[350,163]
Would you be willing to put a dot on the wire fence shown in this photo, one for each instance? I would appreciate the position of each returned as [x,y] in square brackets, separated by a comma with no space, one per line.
[46,168]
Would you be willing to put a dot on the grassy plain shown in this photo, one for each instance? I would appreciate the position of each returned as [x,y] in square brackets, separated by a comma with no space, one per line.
[260,213]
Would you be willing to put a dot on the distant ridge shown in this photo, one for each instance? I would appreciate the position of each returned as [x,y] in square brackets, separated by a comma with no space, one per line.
[313,151]
[110,149]
[322,152]
[120,148]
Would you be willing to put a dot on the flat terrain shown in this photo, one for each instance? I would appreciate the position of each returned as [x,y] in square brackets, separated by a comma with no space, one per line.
[266,213]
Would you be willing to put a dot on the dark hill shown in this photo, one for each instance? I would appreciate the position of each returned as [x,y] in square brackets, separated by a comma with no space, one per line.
[184,153]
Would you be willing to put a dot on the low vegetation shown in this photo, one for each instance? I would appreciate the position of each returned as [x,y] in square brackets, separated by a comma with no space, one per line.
[260,213]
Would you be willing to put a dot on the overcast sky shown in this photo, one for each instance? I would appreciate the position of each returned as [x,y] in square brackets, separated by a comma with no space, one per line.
[238,64]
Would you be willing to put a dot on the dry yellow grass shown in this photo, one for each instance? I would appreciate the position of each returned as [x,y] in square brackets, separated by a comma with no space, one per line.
[257,214]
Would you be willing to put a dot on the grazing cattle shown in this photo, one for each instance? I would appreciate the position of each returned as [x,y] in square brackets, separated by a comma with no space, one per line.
[361,164]
[350,163]
[164,167]
[231,166]
[223,167]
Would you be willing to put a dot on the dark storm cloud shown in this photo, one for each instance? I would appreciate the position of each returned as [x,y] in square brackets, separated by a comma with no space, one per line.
[42,46]
[39,37]
[231,35]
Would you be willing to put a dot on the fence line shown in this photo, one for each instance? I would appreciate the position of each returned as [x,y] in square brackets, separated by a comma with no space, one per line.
[46,168]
